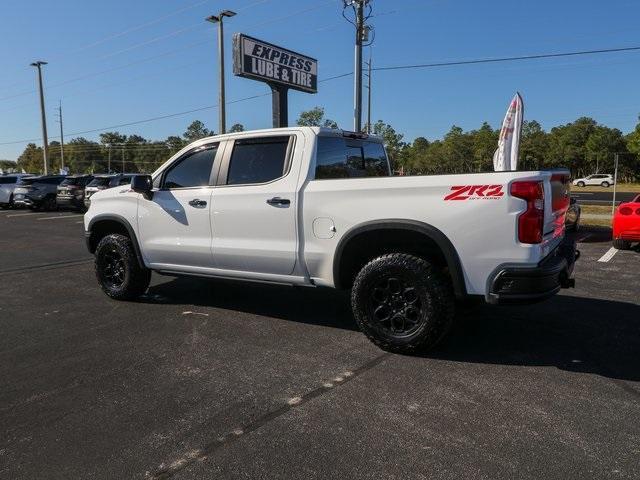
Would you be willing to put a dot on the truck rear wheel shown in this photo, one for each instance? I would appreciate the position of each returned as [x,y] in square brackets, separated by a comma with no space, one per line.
[117,269]
[402,303]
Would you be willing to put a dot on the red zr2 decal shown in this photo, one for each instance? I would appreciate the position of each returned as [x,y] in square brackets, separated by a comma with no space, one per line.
[475,192]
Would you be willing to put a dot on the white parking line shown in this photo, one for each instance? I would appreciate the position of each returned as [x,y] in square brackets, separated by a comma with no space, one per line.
[60,216]
[26,214]
[609,255]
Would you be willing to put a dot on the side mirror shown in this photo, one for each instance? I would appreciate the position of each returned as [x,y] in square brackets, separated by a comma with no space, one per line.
[142,184]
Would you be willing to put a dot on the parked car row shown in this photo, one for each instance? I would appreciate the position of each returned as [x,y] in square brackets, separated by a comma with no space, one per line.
[50,192]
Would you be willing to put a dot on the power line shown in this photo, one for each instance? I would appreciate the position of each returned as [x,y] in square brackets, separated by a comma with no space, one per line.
[510,59]
[109,70]
[293,14]
[397,67]
[122,33]
[170,52]
[140,27]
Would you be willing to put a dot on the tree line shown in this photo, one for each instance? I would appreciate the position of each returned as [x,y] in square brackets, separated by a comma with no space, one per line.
[584,146]
[114,152]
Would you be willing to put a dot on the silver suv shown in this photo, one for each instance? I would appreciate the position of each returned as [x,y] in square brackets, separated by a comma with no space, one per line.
[7,185]
[37,192]
[603,180]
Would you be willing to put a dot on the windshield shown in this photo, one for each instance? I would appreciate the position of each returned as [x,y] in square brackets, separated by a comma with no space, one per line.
[99,182]
[71,181]
[26,181]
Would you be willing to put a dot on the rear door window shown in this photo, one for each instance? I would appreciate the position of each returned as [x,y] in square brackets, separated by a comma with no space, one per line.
[339,157]
[7,180]
[258,160]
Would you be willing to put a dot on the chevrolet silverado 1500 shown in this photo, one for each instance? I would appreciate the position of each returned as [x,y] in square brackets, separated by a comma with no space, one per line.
[317,207]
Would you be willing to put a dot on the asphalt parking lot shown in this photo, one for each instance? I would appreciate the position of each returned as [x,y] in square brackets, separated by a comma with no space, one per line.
[212,379]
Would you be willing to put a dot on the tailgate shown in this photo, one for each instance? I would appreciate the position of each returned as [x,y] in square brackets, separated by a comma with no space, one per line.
[558,203]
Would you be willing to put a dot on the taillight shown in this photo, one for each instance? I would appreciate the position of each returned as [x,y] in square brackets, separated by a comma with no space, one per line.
[626,210]
[563,200]
[638,211]
[531,222]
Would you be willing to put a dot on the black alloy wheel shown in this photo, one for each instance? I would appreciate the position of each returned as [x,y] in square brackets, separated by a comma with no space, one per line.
[403,303]
[395,304]
[113,268]
[118,270]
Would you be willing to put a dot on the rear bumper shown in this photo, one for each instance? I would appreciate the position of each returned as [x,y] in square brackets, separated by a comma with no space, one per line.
[630,235]
[513,285]
[25,202]
[69,201]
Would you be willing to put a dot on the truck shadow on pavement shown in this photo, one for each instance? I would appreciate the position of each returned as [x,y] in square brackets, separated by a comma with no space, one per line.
[576,334]
[316,306]
[571,333]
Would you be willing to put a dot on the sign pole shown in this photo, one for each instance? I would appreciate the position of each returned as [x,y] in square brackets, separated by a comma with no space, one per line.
[279,105]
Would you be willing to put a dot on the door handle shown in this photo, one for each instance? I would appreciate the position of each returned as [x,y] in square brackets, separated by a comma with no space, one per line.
[197,203]
[279,201]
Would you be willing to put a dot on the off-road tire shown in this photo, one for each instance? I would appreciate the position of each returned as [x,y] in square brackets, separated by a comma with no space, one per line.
[605,184]
[580,184]
[134,279]
[433,291]
[620,244]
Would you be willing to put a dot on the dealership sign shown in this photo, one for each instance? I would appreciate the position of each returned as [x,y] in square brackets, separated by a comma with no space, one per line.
[258,60]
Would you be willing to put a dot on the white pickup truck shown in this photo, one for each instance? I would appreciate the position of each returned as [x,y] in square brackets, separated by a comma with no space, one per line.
[321,208]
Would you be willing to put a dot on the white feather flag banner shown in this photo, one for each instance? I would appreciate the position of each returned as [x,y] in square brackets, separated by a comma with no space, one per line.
[506,156]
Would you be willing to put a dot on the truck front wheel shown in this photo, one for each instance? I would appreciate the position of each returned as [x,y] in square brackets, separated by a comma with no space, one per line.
[403,303]
[117,268]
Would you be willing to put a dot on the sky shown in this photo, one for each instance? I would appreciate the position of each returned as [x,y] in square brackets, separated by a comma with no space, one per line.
[117,62]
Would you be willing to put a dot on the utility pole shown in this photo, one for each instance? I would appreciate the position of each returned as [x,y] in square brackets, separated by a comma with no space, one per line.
[61,135]
[109,160]
[122,158]
[222,121]
[369,94]
[45,141]
[362,34]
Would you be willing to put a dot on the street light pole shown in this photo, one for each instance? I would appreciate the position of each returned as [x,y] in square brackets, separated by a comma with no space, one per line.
[222,121]
[61,136]
[45,141]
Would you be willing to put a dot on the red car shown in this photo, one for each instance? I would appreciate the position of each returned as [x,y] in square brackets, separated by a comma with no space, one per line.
[626,224]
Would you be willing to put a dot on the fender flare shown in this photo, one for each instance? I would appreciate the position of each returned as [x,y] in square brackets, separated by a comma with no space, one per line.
[122,221]
[439,238]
